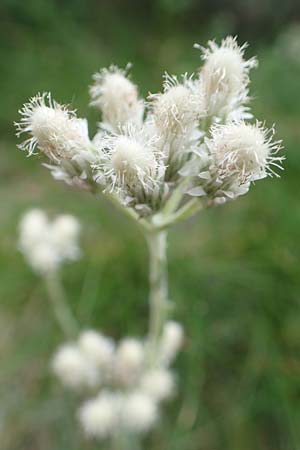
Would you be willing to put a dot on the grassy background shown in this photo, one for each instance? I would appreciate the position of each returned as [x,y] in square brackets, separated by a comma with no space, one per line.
[234,270]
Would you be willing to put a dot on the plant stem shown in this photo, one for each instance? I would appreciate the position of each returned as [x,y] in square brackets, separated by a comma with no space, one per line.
[60,307]
[158,296]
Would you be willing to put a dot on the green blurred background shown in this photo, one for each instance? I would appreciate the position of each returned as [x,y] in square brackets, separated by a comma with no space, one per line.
[234,270]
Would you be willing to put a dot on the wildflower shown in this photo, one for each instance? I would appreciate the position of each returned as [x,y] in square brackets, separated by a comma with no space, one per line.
[170,343]
[139,412]
[130,165]
[243,151]
[158,383]
[73,369]
[225,78]
[129,360]
[98,348]
[47,245]
[99,416]
[177,109]
[117,97]
[52,128]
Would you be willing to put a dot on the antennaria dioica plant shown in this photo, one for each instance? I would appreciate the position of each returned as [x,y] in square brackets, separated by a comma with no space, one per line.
[160,161]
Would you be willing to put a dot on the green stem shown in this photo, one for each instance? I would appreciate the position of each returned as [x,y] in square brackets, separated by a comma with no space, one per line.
[186,211]
[61,310]
[158,296]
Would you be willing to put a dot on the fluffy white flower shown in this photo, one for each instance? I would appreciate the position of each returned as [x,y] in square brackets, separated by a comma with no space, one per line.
[171,342]
[52,128]
[225,78]
[139,412]
[117,97]
[177,109]
[129,360]
[244,152]
[32,226]
[98,348]
[158,384]
[99,416]
[73,369]
[47,245]
[130,164]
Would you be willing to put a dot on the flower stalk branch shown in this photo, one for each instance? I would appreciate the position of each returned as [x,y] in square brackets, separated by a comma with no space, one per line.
[62,312]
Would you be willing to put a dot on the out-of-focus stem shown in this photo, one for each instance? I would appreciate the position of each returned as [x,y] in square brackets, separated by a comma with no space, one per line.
[60,307]
[158,295]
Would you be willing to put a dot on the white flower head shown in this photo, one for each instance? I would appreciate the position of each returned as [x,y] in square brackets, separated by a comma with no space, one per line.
[98,348]
[139,412]
[225,78]
[52,128]
[170,343]
[99,416]
[117,97]
[129,359]
[73,369]
[46,245]
[176,110]
[129,162]
[65,231]
[244,152]
[158,383]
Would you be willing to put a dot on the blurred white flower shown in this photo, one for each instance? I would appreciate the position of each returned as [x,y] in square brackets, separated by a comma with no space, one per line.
[170,343]
[98,348]
[117,97]
[129,359]
[99,416]
[46,245]
[73,369]
[158,383]
[139,412]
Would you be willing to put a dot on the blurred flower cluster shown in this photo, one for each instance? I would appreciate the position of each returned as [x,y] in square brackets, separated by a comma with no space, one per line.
[194,138]
[125,386]
[47,245]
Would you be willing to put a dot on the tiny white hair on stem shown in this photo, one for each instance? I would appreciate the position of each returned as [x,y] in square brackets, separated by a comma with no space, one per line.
[224,78]
[117,97]
[53,128]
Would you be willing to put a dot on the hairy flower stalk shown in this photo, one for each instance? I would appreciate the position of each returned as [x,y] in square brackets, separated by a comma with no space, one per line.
[159,303]
[187,148]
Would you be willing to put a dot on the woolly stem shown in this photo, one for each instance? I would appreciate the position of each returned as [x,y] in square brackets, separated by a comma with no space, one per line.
[158,296]
[59,305]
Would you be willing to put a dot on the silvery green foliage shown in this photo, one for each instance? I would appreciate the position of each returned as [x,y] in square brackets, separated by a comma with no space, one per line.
[196,135]
[122,386]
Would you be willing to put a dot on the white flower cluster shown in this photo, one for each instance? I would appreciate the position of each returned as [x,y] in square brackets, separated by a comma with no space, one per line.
[194,133]
[126,388]
[46,245]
